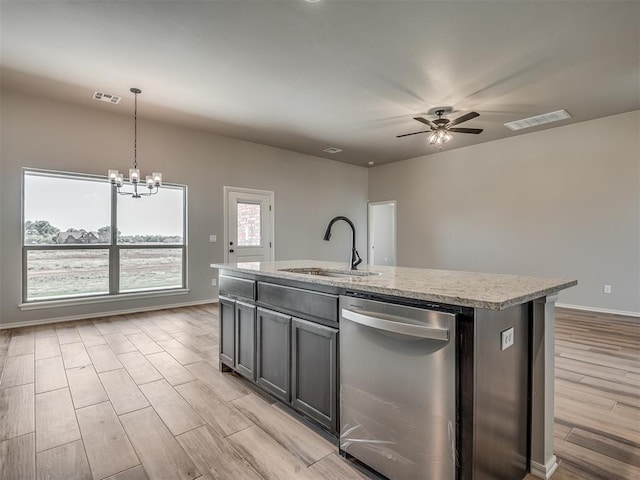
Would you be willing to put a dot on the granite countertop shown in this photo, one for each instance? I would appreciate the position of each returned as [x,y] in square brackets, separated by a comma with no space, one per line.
[494,291]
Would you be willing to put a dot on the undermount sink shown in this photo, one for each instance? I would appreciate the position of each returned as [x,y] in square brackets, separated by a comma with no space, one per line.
[328,272]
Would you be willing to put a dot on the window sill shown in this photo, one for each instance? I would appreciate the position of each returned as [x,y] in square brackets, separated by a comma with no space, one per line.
[72,302]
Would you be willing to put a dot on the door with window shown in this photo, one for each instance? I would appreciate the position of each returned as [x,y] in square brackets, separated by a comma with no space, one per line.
[249,226]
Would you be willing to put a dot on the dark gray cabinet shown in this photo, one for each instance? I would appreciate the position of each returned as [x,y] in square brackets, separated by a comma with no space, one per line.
[227,333]
[263,338]
[245,336]
[274,352]
[314,371]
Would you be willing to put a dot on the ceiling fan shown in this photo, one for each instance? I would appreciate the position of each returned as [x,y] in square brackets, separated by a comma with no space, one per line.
[441,127]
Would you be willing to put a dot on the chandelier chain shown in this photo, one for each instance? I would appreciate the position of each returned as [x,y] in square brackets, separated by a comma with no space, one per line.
[135,130]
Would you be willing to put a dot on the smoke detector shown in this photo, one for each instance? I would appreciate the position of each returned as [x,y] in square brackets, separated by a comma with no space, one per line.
[538,120]
[106,97]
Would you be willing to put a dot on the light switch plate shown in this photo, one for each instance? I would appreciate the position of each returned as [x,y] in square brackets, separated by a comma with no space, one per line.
[214,282]
[506,338]
[213,238]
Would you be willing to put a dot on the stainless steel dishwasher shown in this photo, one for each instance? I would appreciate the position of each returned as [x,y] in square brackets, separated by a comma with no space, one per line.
[398,389]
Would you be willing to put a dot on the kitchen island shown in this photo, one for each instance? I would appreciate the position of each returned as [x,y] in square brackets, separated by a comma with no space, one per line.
[280,327]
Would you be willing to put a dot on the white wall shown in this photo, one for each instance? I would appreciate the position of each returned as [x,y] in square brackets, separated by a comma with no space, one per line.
[309,191]
[561,202]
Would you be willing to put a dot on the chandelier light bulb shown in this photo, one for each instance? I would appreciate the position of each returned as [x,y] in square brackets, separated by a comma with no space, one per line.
[134,175]
[113,175]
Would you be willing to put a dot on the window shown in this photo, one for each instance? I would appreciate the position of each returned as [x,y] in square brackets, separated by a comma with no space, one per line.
[70,249]
[249,218]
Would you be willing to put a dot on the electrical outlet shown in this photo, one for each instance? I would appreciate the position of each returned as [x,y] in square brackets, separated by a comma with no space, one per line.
[214,282]
[506,338]
[607,289]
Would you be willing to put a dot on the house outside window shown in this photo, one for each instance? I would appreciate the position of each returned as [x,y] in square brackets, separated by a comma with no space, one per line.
[82,239]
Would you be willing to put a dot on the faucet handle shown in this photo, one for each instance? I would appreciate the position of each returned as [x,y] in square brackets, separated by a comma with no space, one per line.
[357,260]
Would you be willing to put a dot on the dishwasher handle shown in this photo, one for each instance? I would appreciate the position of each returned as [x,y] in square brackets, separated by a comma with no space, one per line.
[377,321]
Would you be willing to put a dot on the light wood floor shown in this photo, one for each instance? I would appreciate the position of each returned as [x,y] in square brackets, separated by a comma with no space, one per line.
[140,396]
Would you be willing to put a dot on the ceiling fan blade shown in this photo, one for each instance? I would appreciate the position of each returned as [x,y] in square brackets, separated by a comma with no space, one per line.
[463,118]
[465,130]
[414,133]
[426,122]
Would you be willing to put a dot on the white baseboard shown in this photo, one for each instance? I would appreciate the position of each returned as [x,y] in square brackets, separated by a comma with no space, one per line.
[86,316]
[544,471]
[598,310]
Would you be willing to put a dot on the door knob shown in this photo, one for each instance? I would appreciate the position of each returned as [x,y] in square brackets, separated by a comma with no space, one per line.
[231,250]
[230,243]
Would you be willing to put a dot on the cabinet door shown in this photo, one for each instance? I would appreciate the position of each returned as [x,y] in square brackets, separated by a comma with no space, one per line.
[246,340]
[314,371]
[274,352]
[227,327]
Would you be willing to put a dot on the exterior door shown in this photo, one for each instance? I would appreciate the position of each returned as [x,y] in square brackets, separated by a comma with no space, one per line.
[249,225]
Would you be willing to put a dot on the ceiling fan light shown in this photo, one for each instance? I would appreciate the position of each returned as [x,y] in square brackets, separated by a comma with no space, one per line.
[447,137]
[432,138]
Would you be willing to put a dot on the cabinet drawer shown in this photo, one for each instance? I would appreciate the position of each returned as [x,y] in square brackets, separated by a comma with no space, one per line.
[296,300]
[238,287]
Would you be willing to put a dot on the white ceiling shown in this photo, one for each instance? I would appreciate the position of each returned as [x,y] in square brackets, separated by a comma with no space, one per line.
[344,73]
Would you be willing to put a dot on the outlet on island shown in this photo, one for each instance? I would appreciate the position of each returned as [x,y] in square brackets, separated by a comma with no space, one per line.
[506,338]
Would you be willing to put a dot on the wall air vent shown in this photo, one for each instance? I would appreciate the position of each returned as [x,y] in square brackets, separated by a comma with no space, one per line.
[538,120]
[106,97]
[332,150]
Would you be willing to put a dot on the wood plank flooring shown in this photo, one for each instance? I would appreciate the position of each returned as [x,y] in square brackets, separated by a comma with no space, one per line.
[135,397]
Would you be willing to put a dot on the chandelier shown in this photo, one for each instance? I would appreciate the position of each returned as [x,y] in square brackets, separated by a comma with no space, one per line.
[152,181]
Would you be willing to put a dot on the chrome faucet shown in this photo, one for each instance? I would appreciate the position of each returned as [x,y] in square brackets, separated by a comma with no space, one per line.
[355,259]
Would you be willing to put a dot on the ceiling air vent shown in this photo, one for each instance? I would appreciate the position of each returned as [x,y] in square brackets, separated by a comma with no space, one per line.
[538,120]
[106,97]
[332,150]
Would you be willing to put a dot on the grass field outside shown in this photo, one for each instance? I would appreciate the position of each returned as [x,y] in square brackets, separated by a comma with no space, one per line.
[66,273]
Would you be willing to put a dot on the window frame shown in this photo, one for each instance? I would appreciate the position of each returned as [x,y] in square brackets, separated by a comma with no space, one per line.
[113,249]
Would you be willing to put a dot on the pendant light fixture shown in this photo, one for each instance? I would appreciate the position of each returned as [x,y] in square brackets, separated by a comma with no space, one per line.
[152,181]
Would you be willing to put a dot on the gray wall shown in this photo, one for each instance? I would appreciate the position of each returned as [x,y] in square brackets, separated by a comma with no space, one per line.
[309,191]
[560,202]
